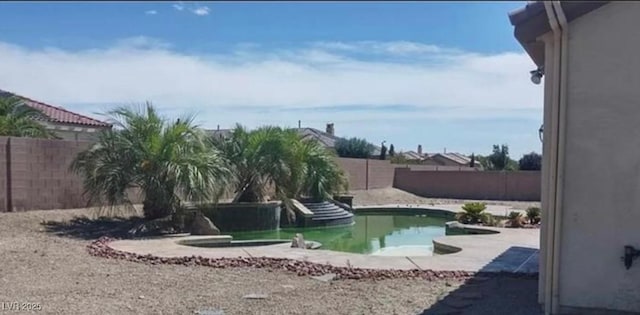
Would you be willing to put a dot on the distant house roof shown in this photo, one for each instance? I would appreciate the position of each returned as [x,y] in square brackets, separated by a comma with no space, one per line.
[58,114]
[220,133]
[455,157]
[326,139]
[531,22]
[413,155]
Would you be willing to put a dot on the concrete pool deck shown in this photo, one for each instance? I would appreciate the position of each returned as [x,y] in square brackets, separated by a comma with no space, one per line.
[509,250]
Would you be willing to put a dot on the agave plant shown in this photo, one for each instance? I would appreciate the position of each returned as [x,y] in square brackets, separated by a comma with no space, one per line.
[19,120]
[167,161]
[473,213]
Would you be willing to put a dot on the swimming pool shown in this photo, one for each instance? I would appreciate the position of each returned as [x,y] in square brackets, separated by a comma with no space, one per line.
[373,234]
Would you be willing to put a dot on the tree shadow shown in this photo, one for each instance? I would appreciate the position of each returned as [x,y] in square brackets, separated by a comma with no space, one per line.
[90,229]
[506,285]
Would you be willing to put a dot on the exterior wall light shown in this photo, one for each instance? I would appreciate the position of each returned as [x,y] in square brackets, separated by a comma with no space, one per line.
[536,75]
[630,253]
[541,132]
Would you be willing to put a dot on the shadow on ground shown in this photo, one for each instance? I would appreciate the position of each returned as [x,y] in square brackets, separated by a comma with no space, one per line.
[507,285]
[89,229]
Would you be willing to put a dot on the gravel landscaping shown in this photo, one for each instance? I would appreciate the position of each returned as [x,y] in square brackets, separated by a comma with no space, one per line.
[57,272]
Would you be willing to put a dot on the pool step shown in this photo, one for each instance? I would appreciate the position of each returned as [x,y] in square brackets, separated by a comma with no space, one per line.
[327,213]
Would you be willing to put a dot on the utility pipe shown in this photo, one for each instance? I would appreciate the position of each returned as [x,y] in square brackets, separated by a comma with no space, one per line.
[554,75]
[562,123]
[546,168]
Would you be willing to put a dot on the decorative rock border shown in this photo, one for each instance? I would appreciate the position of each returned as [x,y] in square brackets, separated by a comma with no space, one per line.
[101,248]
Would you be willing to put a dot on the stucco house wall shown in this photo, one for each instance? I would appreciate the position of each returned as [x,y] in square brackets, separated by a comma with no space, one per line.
[601,185]
[74,132]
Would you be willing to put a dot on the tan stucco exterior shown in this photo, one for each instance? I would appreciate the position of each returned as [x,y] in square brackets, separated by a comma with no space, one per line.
[75,132]
[600,206]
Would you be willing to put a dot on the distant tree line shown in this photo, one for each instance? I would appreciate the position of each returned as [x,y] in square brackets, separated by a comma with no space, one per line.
[499,160]
[354,148]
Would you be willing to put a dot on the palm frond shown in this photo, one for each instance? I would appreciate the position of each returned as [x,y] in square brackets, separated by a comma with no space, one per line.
[170,162]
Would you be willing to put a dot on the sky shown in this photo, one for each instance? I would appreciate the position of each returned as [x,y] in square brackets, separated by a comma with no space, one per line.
[445,75]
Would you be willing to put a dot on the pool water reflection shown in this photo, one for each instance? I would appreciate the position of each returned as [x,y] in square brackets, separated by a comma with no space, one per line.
[374,234]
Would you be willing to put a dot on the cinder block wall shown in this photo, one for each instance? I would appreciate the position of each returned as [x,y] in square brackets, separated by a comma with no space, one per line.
[3,174]
[40,177]
[485,185]
[367,174]
[39,174]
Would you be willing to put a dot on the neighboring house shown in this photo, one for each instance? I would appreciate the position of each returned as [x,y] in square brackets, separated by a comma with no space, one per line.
[326,138]
[440,159]
[589,54]
[416,156]
[450,159]
[413,156]
[65,124]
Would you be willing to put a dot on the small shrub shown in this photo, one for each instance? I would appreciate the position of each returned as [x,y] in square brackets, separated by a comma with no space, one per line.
[533,214]
[474,207]
[473,213]
[491,220]
[516,219]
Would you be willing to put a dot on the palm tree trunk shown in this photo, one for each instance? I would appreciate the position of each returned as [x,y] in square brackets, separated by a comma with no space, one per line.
[155,208]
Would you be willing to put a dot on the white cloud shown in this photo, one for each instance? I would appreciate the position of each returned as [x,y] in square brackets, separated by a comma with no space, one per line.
[392,47]
[255,87]
[140,42]
[151,12]
[178,6]
[197,10]
[201,11]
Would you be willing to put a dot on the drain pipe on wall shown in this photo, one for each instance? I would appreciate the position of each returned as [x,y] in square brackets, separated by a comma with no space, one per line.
[552,76]
[558,23]
[562,123]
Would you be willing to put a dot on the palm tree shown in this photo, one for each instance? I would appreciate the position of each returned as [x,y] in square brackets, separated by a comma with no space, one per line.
[19,120]
[267,156]
[316,173]
[169,162]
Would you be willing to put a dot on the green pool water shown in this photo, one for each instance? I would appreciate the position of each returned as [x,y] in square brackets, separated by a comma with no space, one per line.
[389,235]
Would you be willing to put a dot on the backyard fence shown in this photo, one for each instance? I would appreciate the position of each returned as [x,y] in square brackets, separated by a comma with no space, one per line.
[34,174]
[484,185]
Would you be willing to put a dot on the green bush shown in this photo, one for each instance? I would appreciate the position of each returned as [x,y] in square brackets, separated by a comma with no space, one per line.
[533,214]
[473,213]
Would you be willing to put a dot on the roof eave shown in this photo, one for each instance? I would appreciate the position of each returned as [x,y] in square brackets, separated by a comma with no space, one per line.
[531,22]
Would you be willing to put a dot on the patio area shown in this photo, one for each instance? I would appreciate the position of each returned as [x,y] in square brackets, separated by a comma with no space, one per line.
[509,250]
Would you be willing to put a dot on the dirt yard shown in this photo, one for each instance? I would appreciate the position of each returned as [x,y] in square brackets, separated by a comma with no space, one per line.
[54,272]
[396,196]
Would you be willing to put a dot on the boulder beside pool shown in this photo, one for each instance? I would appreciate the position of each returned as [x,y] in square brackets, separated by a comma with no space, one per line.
[203,226]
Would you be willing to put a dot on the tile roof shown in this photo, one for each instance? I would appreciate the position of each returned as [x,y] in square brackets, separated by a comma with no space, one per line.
[58,114]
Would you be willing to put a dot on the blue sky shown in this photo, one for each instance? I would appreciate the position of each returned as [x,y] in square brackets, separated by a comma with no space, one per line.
[441,74]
